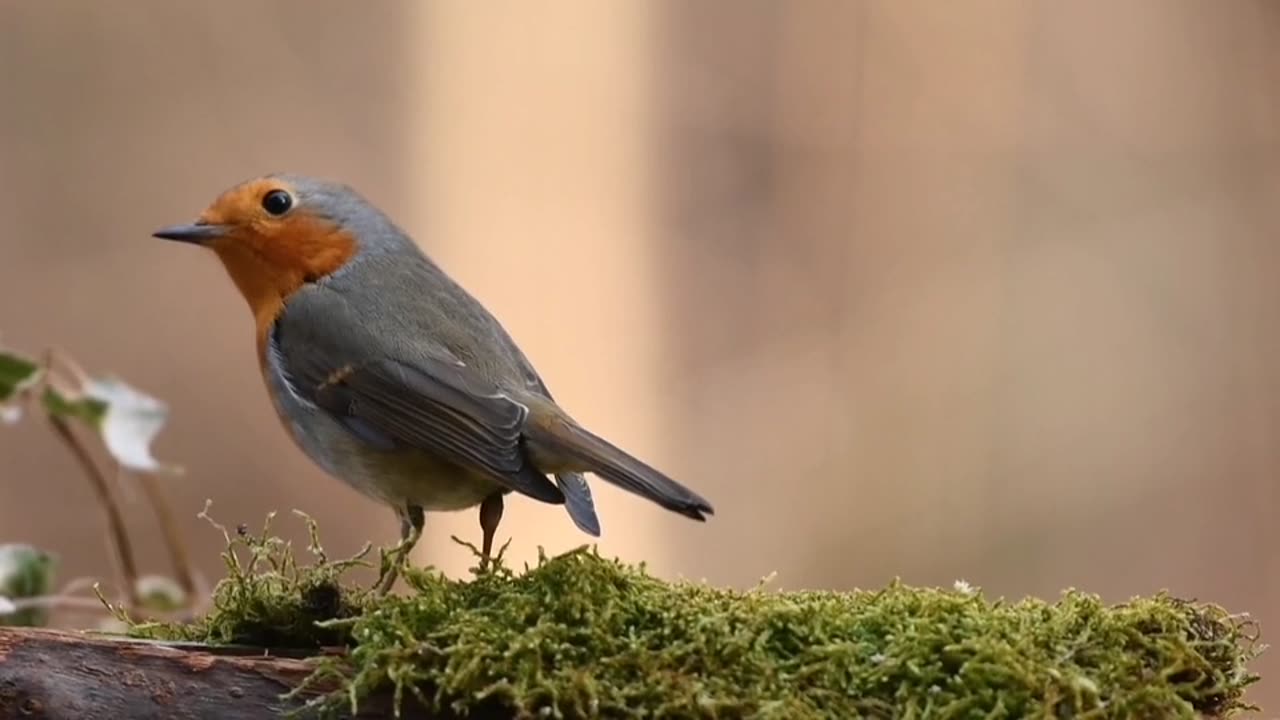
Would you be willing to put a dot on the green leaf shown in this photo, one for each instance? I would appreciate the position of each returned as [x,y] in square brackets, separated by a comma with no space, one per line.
[25,572]
[88,409]
[17,375]
[127,419]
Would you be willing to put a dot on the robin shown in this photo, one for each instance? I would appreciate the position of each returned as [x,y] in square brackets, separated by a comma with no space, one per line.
[392,377]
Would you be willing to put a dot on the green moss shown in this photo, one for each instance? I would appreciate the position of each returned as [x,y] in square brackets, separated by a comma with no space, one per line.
[582,636]
[268,599]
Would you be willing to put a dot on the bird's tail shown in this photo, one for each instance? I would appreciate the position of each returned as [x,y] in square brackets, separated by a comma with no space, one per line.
[577,500]
[557,441]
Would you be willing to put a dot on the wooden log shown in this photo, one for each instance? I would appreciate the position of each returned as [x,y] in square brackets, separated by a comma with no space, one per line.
[54,675]
[74,676]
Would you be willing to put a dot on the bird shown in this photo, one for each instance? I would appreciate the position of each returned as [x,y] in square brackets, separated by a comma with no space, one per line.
[392,377]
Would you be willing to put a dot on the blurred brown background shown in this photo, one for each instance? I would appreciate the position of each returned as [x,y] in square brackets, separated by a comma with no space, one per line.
[927,290]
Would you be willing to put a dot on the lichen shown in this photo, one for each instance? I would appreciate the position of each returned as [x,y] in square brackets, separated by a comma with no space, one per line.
[579,636]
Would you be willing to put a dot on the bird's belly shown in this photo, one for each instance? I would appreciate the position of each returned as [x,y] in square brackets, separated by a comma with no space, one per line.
[395,477]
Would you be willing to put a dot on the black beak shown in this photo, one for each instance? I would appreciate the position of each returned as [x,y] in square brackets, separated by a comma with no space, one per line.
[196,233]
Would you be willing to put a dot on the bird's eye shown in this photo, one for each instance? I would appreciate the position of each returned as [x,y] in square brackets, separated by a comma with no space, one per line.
[277,202]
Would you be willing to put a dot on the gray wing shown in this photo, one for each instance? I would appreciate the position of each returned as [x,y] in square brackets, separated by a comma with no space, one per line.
[417,396]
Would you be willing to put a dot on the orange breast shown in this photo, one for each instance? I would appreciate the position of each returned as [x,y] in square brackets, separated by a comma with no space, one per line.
[268,270]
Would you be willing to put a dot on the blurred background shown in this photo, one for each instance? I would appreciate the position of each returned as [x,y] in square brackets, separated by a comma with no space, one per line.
[917,290]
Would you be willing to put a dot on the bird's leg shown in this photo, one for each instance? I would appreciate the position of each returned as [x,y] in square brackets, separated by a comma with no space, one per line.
[412,519]
[490,516]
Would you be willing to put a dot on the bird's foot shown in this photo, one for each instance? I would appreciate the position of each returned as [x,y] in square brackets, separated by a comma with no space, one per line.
[493,560]
[411,521]
[490,516]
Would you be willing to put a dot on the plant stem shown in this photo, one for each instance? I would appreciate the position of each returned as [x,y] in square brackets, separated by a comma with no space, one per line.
[54,602]
[115,520]
[172,536]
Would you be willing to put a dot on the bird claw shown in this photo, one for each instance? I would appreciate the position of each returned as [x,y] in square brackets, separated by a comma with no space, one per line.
[392,561]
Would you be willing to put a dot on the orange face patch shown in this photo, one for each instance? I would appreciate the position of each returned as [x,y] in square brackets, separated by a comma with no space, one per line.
[268,257]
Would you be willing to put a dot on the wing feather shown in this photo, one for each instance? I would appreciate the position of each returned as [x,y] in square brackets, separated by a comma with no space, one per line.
[433,403]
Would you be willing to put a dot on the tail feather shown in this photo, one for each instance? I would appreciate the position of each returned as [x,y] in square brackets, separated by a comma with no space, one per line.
[577,500]
[562,442]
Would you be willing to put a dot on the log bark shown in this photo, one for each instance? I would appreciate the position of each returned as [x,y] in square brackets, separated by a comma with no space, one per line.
[56,675]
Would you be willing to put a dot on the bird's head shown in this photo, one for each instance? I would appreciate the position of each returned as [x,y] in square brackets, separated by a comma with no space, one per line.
[276,233]
[288,230]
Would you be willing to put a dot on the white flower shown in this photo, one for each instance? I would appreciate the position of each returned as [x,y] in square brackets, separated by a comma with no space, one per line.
[964,587]
[133,419]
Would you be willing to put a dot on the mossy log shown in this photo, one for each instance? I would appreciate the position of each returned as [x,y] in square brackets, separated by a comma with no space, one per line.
[74,676]
[53,674]
[579,636]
